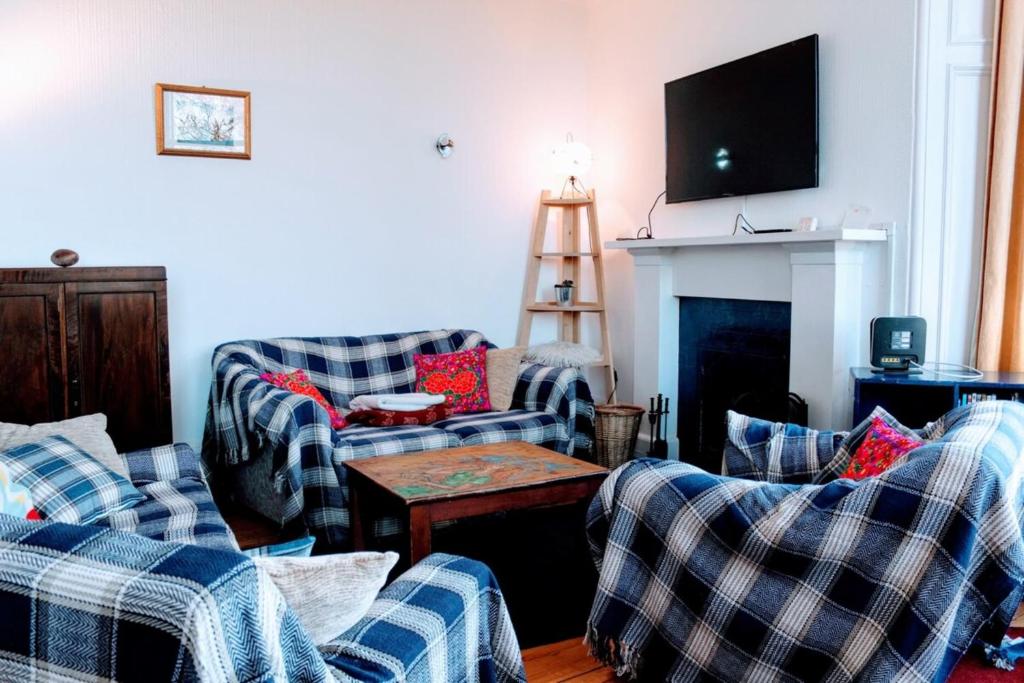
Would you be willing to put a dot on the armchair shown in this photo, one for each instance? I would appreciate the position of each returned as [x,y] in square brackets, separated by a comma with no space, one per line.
[887,578]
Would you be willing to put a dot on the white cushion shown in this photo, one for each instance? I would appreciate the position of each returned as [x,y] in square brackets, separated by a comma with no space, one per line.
[88,432]
[329,593]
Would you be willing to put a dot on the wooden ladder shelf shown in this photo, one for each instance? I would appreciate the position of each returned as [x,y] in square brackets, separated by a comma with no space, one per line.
[570,255]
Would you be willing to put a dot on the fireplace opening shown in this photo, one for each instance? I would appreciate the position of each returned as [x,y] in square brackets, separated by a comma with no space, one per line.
[733,354]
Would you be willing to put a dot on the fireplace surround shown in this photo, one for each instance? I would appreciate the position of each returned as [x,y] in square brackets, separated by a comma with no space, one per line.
[834,281]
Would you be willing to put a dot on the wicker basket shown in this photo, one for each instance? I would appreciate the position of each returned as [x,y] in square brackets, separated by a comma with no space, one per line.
[616,428]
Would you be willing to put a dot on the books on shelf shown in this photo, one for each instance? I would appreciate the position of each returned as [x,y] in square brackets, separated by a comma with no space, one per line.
[969,398]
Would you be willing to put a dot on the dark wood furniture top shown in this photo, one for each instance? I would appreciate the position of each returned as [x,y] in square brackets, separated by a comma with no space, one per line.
[75,341]
[87,274]
[455,483]
[253,531]
[920,398]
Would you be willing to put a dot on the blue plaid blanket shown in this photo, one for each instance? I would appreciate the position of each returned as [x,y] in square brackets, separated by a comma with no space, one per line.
[85,603]
[884,579]
[178,505]
[550,406]
[443,620]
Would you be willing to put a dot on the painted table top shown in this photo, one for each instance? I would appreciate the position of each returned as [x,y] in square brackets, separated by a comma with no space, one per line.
[454,472]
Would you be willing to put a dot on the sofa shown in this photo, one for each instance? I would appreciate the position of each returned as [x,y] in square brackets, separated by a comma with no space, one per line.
[279,456]
[159,592]
[790,571]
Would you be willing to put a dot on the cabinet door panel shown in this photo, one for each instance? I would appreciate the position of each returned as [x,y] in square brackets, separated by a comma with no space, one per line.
[31,353]
[117,348]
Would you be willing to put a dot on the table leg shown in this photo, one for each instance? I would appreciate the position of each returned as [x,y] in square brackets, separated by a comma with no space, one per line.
[582,507]
[359,518]
[419,533]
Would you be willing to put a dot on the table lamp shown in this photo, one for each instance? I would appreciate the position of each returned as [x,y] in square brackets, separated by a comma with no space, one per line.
[572,159]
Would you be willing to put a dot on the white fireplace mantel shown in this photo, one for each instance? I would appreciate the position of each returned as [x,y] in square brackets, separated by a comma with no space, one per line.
[743,239]
[820,273]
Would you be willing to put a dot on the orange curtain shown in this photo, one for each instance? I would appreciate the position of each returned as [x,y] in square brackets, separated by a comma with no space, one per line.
[1001,321]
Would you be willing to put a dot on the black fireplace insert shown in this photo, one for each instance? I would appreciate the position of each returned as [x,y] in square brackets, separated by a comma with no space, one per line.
[733,354]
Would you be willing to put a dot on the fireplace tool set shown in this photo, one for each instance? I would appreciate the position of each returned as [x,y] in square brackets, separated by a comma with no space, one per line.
[659,410]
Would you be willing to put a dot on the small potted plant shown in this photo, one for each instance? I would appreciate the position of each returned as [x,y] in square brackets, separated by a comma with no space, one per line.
[563,293]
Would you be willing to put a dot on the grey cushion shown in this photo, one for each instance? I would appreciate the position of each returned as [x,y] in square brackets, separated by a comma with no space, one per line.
[88,432]
[329,593]
[563,354]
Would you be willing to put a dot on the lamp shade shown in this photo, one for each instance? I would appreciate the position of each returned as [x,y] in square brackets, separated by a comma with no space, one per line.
[571,158]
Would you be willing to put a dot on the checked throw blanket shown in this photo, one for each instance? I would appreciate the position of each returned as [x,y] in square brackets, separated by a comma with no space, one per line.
[443,620]
[178,505]
[82,603]
[885,579]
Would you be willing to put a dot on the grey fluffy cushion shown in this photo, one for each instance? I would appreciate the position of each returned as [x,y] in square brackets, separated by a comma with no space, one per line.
[560,354]
[88,432]
[329,593]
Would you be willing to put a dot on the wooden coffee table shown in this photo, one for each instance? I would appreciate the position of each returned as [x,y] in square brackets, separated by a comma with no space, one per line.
[455,483]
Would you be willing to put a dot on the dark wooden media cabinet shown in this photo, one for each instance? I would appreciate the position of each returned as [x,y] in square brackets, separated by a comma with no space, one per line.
[75,341]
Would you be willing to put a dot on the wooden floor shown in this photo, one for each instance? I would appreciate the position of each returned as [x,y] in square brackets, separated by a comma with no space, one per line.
[569,661]
[565,661]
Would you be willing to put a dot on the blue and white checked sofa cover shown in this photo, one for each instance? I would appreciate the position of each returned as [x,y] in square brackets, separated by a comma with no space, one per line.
[250,421]
[178,505]
[91,603]
[892,578]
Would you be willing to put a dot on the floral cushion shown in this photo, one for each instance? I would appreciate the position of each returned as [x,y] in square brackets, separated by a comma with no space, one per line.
[15,499]
[297,382]
[393,418]
[882,446]
[461,376]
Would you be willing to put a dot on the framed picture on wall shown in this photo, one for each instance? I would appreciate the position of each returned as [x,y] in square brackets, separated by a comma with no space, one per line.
[203,122]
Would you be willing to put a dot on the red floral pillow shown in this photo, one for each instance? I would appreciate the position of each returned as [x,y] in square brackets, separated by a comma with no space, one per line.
[297,382]
[392,418]
[879,450]
[460,376]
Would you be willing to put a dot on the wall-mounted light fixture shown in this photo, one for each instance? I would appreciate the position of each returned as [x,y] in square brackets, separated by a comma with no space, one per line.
[445,145]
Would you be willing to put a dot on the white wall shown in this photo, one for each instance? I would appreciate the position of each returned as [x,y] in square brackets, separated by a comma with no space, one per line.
[346,221]
[866,79]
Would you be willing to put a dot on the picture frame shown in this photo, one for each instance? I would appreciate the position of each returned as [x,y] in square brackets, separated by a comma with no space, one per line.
[203,122]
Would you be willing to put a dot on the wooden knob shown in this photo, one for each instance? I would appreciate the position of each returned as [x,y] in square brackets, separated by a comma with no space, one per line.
[64,258]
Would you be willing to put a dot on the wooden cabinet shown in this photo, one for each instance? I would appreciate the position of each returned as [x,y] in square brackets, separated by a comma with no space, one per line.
[87,340]
[31,352]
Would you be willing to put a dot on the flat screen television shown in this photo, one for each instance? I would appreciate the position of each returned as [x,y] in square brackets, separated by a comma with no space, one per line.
[746,127]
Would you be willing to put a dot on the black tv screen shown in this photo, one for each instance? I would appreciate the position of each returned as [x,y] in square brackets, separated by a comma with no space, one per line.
[745,127]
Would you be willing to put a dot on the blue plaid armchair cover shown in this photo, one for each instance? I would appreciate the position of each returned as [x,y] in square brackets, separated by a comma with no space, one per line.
[889,578]
[84,603]
[552,407]
[178,505]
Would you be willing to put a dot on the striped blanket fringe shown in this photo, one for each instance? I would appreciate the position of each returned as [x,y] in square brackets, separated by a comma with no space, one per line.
[625,660]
